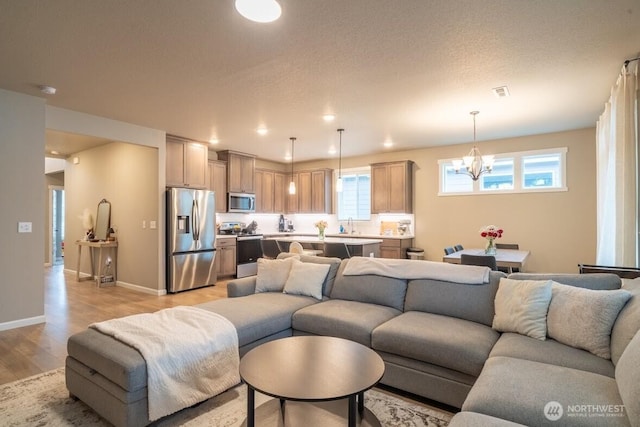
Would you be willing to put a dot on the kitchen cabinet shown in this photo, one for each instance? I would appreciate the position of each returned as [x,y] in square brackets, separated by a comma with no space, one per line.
[186,163]
[240,171]
[225,256]
[391,187]
[313,192]
[395,248]
[218,183]
[270,191]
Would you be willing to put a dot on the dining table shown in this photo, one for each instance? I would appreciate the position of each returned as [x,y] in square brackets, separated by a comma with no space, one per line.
[507,258]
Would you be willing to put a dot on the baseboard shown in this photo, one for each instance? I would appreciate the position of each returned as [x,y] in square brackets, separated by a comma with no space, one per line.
[22,322]
[138,288]
[47,264]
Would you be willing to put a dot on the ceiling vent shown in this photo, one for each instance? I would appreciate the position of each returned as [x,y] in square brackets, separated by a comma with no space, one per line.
[501,92]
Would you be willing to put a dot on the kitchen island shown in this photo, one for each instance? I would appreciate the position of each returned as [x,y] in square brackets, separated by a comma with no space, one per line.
[357,246]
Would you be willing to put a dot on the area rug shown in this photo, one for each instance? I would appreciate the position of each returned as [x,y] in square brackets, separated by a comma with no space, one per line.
[43,400]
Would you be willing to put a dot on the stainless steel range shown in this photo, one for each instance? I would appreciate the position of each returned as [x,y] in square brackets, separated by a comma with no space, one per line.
[248,248]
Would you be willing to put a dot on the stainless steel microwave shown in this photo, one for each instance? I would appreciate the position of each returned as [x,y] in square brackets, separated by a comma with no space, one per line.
[241,202]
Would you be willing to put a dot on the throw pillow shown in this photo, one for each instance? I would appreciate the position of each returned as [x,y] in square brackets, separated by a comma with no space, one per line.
[306,278]
[521,306]
[272,274]
[583,318]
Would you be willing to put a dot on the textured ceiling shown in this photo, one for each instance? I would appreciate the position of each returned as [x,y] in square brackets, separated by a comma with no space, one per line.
[409,71]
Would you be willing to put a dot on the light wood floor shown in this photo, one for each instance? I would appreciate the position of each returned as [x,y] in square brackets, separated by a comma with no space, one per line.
[70,307]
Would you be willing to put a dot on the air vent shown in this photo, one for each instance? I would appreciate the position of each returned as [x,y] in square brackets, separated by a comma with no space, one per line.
[501,92]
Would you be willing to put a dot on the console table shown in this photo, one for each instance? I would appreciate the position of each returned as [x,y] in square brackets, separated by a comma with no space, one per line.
[111,246]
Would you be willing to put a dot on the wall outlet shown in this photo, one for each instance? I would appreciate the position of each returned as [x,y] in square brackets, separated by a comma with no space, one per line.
[144,223]
[24,227]
[152,225]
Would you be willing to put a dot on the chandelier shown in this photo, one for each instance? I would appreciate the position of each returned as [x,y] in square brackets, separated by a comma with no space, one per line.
[474,163]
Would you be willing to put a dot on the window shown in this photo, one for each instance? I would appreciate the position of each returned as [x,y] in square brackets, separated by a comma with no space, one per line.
[541,170]
[355,199]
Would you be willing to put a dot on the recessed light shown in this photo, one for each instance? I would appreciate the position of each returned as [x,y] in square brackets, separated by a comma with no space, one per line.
[259,10]
[55,153]
[388,143]
[47,90]
[262,131]
[214,141]
[332,150]
[329,117]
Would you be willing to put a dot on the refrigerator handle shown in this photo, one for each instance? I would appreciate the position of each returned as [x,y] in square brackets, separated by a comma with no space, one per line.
[195,221]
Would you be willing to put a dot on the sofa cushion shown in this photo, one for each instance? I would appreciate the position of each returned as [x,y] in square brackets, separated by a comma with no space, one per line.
[473,419]
[583,318]
[521,306]
[628,321]
[596,281]
[440,340]
[469,302]
[351,320]
[334,264]
[520,390]
[306,278]
[369,288]
[272,274]
[552,352]
[628,378]
[259,315]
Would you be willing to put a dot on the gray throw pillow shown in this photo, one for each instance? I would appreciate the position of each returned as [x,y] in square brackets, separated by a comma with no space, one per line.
[521,306]
[583,318]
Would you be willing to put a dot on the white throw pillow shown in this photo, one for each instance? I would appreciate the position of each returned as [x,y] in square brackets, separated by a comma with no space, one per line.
[521,306]
[583,318]
[272,274]
[306,278]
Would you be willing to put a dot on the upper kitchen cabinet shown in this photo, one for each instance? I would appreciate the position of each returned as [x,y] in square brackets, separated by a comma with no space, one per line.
[313,192]
[240,171]
[264,181]
[391,187]
[218,183]
[186,163]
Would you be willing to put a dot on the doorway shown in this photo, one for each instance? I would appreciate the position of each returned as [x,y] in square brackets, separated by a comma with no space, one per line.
[57,225]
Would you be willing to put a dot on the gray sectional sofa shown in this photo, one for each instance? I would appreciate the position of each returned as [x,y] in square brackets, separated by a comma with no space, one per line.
[436,339]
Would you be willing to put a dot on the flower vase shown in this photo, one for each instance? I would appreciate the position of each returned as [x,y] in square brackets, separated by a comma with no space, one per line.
[491,247]
[321,233]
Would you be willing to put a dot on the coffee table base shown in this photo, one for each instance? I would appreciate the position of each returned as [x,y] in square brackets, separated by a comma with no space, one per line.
[310,414]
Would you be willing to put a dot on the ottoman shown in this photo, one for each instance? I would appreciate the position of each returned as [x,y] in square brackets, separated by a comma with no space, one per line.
[109,376]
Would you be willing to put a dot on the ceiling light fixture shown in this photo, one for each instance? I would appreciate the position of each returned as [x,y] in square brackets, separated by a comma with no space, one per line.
[262,131]
[292,184]
[47,90]
[339,181]
[329,117]
[474,163]
[259,10]
[214,141]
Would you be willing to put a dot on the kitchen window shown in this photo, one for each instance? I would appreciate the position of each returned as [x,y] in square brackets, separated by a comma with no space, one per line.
[521,172]
[355,199]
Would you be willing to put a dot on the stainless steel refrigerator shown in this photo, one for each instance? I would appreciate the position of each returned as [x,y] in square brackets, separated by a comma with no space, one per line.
[191,239]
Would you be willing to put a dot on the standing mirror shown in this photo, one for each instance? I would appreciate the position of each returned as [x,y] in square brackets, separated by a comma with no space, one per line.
[103,220]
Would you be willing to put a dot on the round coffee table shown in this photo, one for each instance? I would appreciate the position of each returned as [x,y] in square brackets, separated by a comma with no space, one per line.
[312,369]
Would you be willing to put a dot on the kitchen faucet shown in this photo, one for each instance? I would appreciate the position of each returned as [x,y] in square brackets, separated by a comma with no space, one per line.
[350,225]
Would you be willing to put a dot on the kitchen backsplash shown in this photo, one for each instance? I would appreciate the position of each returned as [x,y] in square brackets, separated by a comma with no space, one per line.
[304,223]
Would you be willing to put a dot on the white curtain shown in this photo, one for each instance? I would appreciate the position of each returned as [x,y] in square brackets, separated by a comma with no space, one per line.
[617,173]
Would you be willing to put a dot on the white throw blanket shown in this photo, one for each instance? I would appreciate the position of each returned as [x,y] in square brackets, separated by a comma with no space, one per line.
[410,269]
[191,354]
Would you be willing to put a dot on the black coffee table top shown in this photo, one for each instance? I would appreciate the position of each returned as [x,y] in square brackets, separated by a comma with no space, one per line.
[311,368]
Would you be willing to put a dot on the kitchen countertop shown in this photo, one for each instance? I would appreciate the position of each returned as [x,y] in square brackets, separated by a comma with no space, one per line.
[343,235]
[311,238]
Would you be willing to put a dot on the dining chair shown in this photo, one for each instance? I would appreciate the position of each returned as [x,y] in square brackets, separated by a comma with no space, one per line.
[449,250]
[507,246]
[515,246]
[458,247]
[283,245]
[270,248]
[337,250]
[484,260]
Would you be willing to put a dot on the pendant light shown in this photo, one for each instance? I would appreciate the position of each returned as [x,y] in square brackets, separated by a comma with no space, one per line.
[292,185]
[474,163]
[339,181]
